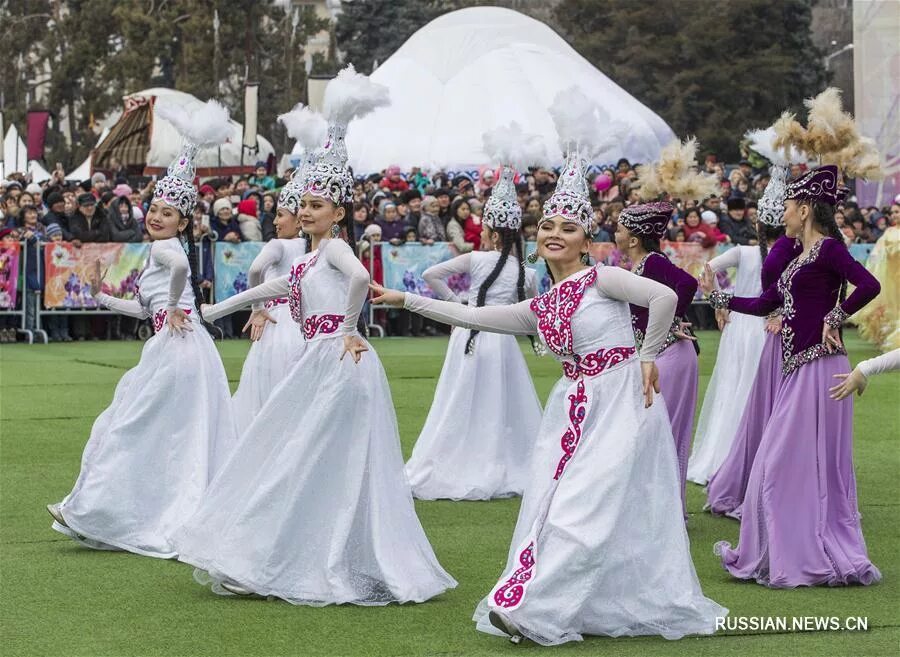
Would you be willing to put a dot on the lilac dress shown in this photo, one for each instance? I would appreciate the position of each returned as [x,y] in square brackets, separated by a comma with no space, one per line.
[677,358]
[800,523]
[725,490]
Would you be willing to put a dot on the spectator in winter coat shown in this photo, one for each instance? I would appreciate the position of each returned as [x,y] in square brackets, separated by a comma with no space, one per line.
[248,220]
[56,213]
[702,229]
[223,223]
[736,226]
[393,181]
[260,178]
[431,228]
[389,221]
[413,200]
[123,225]
[89,223]
[459,212]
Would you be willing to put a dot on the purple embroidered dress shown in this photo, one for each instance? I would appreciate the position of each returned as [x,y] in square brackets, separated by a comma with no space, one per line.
[725,490]
[800,523]
[599,546]
[677,359]
[314,506]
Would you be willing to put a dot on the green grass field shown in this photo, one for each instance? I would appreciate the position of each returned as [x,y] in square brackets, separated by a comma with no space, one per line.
[63,600]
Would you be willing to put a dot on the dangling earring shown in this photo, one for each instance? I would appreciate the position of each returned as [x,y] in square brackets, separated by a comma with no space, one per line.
[531,258]
[335,231]
[585,259]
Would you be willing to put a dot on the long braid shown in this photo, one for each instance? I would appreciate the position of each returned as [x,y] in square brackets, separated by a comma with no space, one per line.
[823,215]
[508,237]
[188,236]
[765,234]
[520,286]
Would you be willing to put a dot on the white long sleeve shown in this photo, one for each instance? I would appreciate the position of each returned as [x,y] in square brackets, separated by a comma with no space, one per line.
[531,283]
[660,300]
[168,254]
[883,363]
[436,276]
[340,256]
[271,254]
[129,307]
[273,289]
[516,319]
[731,258]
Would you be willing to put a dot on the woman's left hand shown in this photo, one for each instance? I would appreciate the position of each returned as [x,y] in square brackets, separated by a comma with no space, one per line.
[384,296]
[855,381]
[650,376]
[831,338]
[178,321]
[707,280]
[682,332]
[355,346]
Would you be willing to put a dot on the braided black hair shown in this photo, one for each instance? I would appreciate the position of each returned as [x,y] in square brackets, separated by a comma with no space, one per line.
[187,235]
[511,242]
[765,234]
[823,216]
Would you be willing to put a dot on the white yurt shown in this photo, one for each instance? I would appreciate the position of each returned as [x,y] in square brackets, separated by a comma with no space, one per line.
[474,69]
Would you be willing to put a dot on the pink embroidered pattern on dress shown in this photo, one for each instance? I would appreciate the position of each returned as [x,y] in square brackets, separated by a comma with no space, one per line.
[280,301]
[159,318]
[315,324]
[513,590]
[554,310]
[295,293]
[593,364]
[577,411]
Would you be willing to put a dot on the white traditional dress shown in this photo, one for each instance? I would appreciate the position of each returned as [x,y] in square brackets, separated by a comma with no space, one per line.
[269,358]
[314,507]
[600,546]
[736,364]
[153,452]
[485,414]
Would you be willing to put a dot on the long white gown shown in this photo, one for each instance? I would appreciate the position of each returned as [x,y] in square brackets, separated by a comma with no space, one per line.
[269,358]
[736,363]
[313,506]
[600,546]
[169,428]
[485,414]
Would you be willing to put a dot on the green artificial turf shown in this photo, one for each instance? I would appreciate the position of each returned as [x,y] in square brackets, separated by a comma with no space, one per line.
[60,599]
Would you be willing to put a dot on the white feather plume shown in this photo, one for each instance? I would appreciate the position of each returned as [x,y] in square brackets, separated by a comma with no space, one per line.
[577,124]
[307,127]
[206,126]
[511,146]
[352,95]
[763,142]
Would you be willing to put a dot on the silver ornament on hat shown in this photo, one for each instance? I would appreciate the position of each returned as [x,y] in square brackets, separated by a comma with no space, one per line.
[330,177]
[571,198]
[502,209]
[770,209]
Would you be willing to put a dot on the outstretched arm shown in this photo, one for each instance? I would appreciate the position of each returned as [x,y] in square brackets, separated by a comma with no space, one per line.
[277,287]
[516,319]
[271,254]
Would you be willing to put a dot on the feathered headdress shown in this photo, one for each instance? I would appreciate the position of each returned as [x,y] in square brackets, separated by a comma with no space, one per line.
[771,204]
[676,174]
[209,126]
[349,96]
[515,150]
[831,136]
[575,118]
[308,128]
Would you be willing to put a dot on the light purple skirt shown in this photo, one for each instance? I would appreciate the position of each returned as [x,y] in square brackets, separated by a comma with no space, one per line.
[725,489]
[800,524]
[678,378]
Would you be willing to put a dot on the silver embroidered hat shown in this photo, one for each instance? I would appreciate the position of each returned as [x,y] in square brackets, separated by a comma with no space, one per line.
[771,205]
[349,96]
[514,149]
[207,126]
[308,128]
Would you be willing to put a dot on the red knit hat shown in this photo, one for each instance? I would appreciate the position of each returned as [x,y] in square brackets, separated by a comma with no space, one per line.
[247,206]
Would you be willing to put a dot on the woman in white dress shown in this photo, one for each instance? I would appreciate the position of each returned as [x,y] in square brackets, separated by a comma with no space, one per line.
[313,507]
[153,452]
[600,546]
[743,337]
[475,446]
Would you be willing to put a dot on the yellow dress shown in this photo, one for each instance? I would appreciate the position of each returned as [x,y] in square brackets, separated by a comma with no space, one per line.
[879,321]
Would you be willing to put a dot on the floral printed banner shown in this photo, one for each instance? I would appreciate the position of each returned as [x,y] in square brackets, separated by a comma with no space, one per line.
[232,265]
[404,264]
[67,272]
[9,273]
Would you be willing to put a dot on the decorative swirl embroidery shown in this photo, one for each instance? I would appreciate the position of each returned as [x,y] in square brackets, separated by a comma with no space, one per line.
[593,364]
[789,360]
[836,317]
[159,318]
[295,294]
[271,303]
[554,310]
[315,324]
[577,411]
[511,593]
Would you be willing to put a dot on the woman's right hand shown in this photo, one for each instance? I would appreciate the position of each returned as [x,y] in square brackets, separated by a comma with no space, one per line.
[650,376]
[257,324]
[384,296]
[773,324]
[722,318]
[707,280]
[95,277]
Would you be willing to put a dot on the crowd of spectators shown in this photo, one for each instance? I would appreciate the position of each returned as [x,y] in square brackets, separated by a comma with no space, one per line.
[391,206]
